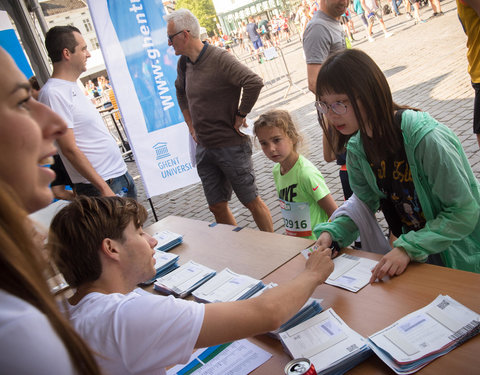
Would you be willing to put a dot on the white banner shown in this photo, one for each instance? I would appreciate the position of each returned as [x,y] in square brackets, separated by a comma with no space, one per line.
[142,69]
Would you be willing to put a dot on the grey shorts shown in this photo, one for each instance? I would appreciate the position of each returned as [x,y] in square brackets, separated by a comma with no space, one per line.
[225,169]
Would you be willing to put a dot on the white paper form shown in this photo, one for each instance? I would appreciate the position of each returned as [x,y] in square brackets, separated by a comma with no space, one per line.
[184,277]
[162,258]
[351,272]
[427,330]
[225,286]
[239,358]
[324,339]
[164,239]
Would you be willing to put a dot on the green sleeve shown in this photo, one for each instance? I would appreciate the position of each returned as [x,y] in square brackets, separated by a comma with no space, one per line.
[343,229]
[444,179]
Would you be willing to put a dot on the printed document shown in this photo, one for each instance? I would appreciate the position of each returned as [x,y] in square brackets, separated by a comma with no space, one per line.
[351,272]
[420,337]
[236,358]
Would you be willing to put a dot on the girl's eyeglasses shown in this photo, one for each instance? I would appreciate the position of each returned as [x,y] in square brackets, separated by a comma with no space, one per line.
[340,108]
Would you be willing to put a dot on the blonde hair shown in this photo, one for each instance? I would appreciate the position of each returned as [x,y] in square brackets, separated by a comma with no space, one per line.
[281,119]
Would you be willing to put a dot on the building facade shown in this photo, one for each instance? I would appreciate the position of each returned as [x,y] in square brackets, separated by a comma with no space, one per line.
[231,13]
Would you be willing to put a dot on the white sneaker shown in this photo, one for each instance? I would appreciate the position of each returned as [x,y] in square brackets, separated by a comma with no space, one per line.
[370,39]
[388,35]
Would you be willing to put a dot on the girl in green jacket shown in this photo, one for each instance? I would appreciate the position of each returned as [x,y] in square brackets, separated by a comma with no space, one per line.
[403,162]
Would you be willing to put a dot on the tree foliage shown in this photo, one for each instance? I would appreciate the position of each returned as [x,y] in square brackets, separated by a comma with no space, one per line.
[203,10]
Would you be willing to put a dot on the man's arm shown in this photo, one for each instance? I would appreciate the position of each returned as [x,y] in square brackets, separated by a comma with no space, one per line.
[225,322]
[328,154]
[241,76]
[188,119]
[80,162]
[312,74]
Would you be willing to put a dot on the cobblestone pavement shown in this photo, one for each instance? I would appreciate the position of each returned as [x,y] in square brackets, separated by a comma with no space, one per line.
[426,68]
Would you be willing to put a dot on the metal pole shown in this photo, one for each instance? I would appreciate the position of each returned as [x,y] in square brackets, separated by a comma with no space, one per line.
[30,39]
[153,209]
[290,82]
[37,9]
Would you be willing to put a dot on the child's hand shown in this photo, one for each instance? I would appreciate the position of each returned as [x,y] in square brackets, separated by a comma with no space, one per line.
[324,241]
[393,263]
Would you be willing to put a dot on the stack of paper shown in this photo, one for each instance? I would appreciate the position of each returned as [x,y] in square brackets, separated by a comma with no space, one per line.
[331,345]
[167,240]
[311,308]
[418,338]
[186,278]
[164,264]
[351,272]
[228,286]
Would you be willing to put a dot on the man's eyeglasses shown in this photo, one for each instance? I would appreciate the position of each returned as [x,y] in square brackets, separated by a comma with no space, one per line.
[340,108]
[170,37]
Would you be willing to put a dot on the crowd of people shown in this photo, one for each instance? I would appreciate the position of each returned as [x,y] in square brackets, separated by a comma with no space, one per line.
[93,90]
[392,158]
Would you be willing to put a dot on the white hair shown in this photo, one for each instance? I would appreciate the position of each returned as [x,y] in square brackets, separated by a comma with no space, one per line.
[183,19]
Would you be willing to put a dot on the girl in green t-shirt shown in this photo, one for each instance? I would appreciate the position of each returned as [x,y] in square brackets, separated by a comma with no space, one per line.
[305,199]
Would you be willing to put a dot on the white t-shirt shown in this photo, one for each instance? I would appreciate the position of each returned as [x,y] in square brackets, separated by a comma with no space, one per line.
[138,333]
[28,343]
[91,135]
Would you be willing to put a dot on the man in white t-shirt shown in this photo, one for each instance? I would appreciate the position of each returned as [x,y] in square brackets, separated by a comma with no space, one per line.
[100,247]
[89,152]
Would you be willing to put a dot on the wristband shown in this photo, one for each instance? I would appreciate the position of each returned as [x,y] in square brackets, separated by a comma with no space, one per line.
[334,246]
[240,114]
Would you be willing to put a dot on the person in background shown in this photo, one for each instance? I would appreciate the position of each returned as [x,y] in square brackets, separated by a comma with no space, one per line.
[323,35]
[215,92]
[62,180]
[404,162]
[469,15]
[100,247]
[30,322]
[436,7]
[374,12]
[254,36]
[90,154]
[35,87]
[305,200]
[61,176]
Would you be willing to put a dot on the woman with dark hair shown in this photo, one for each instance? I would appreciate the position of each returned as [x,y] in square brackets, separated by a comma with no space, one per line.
[402,161]
[34,337]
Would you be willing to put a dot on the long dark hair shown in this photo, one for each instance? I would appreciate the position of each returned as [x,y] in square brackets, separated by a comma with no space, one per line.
[22,269]
[353,73]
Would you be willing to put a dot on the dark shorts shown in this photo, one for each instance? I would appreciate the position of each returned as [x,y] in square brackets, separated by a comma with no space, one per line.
[258,43]
[61,175]
[225,169]
[476,108]
[123,186]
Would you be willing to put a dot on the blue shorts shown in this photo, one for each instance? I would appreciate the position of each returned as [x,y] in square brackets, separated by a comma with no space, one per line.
[258,43]
[225,169]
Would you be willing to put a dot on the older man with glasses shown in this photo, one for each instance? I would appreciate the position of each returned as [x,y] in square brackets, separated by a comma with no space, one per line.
[209,86]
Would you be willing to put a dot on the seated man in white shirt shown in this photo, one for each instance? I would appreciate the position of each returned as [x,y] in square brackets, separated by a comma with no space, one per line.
[101,249]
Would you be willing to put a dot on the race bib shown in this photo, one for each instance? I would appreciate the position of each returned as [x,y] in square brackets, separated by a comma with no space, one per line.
[296,216]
